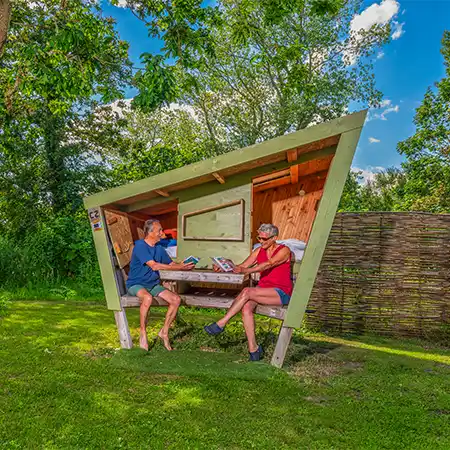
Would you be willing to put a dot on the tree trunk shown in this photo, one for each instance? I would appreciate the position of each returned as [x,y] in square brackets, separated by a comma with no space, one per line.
[5,15]
[55,162]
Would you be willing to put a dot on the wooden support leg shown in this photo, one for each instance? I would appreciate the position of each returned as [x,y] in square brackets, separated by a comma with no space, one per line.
[282,345]
[123,329]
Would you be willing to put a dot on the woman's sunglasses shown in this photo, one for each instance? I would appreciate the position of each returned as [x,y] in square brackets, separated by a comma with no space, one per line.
[263,239]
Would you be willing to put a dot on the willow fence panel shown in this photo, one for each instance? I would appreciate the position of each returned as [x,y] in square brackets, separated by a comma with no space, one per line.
[387,273]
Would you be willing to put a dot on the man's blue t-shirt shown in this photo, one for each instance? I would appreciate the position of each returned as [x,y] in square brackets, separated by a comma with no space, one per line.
[140,272]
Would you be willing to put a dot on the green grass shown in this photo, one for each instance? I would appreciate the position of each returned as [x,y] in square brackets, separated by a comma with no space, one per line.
[65,385]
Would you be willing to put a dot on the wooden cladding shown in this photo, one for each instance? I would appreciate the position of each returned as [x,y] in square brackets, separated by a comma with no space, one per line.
[227,224]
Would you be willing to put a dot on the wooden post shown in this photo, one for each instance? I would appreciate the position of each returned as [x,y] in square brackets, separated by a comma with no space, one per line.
[284,338]
[123,329]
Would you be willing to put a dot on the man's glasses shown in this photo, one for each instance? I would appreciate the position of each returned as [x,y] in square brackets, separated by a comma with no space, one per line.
[263,239]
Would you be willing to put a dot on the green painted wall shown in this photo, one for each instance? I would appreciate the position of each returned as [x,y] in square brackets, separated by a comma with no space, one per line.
[223,222]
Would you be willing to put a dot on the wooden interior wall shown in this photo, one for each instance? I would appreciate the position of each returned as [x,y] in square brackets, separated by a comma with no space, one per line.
[119,228]
[292,213]
[168,220]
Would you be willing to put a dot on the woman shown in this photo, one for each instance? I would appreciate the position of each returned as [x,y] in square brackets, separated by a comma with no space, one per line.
[273,261]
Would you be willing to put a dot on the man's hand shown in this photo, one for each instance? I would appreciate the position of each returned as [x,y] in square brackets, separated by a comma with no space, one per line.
[188,266]
[240,269]
[217,268]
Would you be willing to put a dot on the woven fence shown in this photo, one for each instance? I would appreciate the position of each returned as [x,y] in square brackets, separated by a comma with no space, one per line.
[386,273]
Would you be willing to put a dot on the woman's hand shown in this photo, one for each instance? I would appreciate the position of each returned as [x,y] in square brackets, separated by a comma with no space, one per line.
[217,268]
[240,269]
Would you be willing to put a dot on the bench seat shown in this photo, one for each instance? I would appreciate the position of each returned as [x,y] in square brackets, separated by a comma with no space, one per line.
[203,300]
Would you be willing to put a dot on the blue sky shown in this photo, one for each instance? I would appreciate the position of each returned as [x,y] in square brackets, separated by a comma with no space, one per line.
[409,64]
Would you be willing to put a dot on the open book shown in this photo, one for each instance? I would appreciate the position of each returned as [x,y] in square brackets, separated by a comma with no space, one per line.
[225,264]
[191,260]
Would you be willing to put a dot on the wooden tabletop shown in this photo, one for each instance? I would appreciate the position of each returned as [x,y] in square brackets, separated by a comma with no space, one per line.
[204,276]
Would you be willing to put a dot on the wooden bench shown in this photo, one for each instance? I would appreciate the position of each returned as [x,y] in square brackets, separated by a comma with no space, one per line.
[201,297]
[203,300]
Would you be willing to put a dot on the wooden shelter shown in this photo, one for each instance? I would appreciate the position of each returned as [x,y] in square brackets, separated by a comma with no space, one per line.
[294,181]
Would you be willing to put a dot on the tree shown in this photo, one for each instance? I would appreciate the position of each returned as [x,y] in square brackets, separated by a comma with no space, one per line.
[278,69]
[5,14]
[59,57]
[428,150]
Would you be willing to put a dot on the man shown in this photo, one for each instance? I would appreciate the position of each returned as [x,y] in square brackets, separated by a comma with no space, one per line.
[273,261]
[147,259]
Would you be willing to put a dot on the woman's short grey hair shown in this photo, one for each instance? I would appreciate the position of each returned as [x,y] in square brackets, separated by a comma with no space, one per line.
[268,228]
[148,226]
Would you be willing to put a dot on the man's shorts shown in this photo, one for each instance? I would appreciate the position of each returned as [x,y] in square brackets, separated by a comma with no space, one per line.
[283,296]
[154,291]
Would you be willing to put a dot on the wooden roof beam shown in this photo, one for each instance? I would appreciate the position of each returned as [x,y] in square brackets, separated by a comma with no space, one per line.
[292,155]
[272,184]
[162,193]
[294,174]
[219,177]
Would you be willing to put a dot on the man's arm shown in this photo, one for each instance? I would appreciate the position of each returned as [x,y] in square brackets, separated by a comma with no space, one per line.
[282,256]
[171,266]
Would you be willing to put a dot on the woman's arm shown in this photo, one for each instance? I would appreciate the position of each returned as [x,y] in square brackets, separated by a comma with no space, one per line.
[250,261]
[281,257]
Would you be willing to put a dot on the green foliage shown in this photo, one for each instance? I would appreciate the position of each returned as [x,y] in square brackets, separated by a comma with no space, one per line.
[278,67]
[59,55]
[59,249]
[428,150]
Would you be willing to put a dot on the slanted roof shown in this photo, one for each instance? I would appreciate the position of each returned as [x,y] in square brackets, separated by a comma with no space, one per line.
[289,146]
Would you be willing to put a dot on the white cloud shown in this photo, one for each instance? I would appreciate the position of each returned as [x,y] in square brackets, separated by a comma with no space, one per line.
[398,30]
[375,14]
[380,55]
[395,109]
[387,108]
[368,174]
[373,140]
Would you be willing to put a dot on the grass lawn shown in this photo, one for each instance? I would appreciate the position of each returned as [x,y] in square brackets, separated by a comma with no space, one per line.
[65,385]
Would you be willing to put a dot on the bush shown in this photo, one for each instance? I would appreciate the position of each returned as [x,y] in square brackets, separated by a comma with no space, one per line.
[59,249]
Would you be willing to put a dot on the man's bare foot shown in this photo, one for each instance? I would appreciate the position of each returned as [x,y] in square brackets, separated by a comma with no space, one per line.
[165,339]
[143,341]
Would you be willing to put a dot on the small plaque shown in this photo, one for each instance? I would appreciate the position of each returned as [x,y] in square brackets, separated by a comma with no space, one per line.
[95,218]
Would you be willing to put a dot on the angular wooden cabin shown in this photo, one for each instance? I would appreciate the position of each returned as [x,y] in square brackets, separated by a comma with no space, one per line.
[294,181]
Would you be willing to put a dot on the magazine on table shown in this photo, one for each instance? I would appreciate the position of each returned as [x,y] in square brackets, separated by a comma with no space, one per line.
[225,264]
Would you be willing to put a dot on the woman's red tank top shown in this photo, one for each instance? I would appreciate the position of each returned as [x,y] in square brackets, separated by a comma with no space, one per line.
[277,277]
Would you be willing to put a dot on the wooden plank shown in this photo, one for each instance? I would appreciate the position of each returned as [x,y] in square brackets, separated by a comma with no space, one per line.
[294,174]
[123,329]
[104,255]
[272,184]
[271,176]
[291,155]
[151,202]
[284,338]
[202,301]
[323,222]
[162,193]
[202,276]
[219,178]
[235,158]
